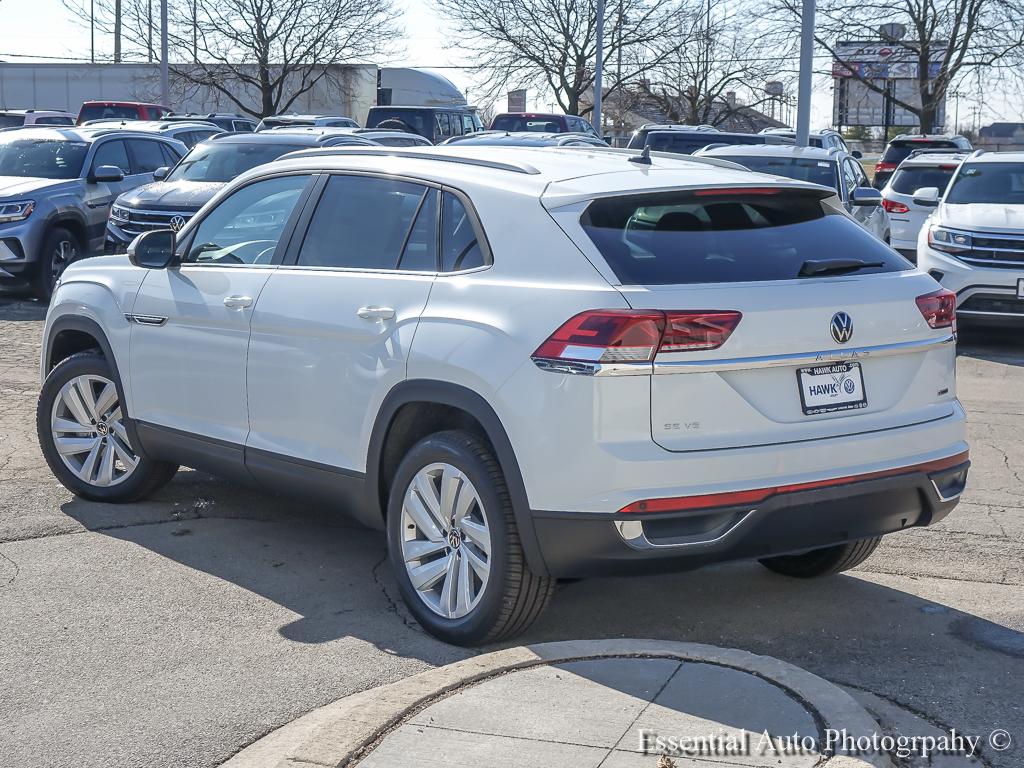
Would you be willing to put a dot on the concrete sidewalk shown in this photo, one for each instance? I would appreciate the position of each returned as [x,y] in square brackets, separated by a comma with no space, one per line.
[585,704]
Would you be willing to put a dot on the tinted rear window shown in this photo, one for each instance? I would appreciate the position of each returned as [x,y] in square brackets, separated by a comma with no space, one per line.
[688,143]
[420,121]
[898,151]
[675,238]
[815,171]
[907,181]
[12,121]
[97,112]
[520,123]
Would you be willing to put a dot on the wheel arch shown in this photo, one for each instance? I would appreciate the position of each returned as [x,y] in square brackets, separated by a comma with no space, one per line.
[454,407]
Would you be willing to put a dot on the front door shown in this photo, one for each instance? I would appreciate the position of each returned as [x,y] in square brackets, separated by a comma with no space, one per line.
[190,326]
[333,326]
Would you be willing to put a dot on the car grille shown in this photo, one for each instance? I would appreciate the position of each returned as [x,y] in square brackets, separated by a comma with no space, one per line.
[998,251]
[143,221]
[1001,304]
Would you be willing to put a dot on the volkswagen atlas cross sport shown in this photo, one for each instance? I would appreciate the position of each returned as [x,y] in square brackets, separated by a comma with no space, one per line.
[973,243]
[523,364]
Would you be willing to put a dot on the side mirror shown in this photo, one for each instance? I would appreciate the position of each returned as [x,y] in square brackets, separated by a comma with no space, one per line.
[927,197]
[856,154]
[865,196]
[107,173]
[161,173]
[153,250]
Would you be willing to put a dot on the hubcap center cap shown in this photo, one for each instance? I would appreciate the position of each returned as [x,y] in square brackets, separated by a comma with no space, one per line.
[454,538]
[102,428]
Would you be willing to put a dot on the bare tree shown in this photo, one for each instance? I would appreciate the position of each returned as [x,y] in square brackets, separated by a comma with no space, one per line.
[277,50]
[723,54]
[551,44]
[947,40]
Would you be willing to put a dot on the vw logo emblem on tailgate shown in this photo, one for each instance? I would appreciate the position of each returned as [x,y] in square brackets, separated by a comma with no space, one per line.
[841,327]
[177,222]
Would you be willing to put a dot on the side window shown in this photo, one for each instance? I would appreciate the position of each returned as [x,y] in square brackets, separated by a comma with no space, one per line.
[858,169]
[460,244]
[362,223]
[587,127]
[243,126]
[112,153]
[443,124]
[456,125]
[467,124]
[170,158]
[146,155]
[420,251]
[246,226]
[849,177]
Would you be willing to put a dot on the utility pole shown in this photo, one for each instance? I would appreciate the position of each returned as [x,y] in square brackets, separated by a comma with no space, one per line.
[92,31]
[165,98]
[598,68]
[149,34]
[803,106]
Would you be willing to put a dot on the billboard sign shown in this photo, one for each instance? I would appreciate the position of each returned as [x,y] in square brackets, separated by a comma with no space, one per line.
[517,100]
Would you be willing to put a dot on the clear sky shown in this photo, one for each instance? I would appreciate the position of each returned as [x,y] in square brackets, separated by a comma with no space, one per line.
[45,28]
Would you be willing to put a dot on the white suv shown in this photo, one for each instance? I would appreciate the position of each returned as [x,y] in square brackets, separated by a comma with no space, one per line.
[973,243]
[525,364]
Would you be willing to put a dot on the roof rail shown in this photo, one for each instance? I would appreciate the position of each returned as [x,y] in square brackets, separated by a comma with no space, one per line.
[977,153]
[719,162]
[413,155]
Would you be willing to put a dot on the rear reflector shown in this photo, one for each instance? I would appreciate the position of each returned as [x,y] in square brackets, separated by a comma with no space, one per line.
[636,336]
[894,207]
[939,308]
[757,495]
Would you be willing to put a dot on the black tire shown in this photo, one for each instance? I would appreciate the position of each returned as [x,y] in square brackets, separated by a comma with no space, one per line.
[823,562]
[51,263]
[513,596]
[147,477]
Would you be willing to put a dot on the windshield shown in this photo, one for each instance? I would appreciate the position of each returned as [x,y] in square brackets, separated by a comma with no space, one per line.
[520,123]
[419,121]
[815,171]
[995,183]
[726,236]
[907,181]
[11,121]
[223,162]
[42,158]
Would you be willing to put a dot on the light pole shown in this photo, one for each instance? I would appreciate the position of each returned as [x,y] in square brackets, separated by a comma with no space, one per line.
[803,105]
[164,85]
[599,68]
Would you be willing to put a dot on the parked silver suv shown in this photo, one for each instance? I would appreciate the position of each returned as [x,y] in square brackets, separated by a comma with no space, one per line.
[56,187]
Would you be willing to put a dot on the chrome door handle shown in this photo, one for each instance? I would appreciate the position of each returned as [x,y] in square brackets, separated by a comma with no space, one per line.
[376,313]
[237,302]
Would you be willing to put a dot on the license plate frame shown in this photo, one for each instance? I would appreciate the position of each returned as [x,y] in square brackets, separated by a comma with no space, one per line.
[846,399]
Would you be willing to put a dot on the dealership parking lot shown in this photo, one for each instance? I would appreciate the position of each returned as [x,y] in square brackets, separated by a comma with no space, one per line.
[176,631]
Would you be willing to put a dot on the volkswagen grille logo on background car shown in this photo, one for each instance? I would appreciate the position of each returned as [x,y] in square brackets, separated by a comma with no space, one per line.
[177,222]
[841,327]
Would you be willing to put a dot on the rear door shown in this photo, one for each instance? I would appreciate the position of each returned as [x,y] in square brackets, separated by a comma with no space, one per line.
[333,327]
[810,357]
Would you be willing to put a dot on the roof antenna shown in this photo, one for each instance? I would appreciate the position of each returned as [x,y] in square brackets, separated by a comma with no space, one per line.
[644,158]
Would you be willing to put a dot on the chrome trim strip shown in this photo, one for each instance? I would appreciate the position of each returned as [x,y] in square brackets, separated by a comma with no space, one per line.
[939,493]
[778,361]
[990,262]
[150,212]
[581,368]
[632,533]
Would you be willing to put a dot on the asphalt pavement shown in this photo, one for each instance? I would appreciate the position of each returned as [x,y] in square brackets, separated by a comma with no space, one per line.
[177,631]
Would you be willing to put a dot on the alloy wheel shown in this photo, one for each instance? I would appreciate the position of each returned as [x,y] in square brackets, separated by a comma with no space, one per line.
[65,252]
[446,541]
[87,425]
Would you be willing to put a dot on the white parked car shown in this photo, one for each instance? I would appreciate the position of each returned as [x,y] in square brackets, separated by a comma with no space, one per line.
[524,364]
[22,118]
[923,168]
[974,241]
[834,168]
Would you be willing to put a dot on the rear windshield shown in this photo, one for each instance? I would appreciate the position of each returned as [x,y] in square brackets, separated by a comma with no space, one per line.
[898,151]
[520,123]
[815,171]
[419,121]
[997,183]
[688,143]
[907,181]
[11,121]
[100,112]
[674,238]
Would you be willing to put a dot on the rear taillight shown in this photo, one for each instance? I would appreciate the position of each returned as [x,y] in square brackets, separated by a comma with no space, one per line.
[939,308]
[893,207]
[880,166]
[636,336]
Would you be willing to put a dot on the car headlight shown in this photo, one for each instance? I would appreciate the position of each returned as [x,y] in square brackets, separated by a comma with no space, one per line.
[118,214]
[947,240]
[18,210]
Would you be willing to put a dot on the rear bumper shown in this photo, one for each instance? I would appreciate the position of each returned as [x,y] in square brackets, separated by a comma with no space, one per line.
[575,544]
